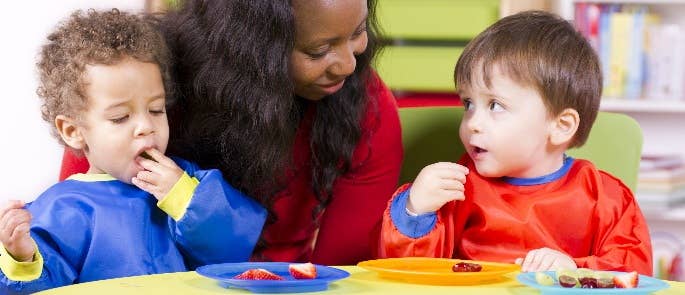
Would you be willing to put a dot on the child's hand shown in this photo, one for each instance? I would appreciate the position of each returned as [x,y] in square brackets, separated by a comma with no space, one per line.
[159,175]
[436,185]
[545,259]
[15,226]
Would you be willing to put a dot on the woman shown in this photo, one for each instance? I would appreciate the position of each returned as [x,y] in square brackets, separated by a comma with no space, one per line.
[279,95]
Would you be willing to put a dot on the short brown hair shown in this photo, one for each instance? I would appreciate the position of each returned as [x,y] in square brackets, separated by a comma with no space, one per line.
[544,51]
[91,38]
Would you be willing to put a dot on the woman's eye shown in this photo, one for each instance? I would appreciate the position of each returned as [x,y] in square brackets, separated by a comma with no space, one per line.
[318,52]
[157,112]
[316,55]
[358,32]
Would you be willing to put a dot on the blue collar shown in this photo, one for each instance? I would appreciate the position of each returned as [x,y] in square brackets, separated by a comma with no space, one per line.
[568,162]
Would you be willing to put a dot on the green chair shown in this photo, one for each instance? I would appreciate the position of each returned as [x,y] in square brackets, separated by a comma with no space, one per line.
[431,134]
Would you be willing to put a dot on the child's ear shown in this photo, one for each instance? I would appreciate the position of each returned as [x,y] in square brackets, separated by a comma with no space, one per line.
[70,132]
[564,127]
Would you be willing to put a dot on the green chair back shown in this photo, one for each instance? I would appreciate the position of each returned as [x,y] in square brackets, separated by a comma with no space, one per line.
[431,134]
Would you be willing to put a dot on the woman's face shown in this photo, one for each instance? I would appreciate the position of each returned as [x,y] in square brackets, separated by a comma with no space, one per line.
[328,35]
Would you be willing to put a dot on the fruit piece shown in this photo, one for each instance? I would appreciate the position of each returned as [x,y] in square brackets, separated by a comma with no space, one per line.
[567,281]
[605,280]
[302,270]
[147,156]
[627,280]
[258,274]
[588,282]
[570,279]
[584,273]
[544,279]
[467,267]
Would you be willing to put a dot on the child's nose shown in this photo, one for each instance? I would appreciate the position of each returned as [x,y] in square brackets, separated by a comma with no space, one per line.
[144,126]
[474,122]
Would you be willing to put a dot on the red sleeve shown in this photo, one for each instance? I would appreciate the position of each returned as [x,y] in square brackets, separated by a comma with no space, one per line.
[439,242]
[72,164]
[622,242]
[351,223]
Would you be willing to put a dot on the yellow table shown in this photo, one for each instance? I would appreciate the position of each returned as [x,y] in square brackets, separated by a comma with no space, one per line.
[361,281]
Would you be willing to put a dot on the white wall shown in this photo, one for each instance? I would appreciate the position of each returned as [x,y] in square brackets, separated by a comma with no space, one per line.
[30,155]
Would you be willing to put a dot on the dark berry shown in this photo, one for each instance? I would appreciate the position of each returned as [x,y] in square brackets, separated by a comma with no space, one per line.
[467,267]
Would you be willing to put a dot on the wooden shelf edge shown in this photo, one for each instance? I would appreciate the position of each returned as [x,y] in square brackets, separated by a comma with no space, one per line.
[642,105]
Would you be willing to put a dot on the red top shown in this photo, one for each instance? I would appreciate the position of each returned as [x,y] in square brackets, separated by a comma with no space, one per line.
[351,222]
[585,213]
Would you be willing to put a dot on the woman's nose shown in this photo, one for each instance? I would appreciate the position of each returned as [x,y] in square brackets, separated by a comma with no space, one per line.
[345,62]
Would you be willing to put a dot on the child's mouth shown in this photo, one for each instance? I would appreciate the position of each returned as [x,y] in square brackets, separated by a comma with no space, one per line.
[145,155]
[478,150]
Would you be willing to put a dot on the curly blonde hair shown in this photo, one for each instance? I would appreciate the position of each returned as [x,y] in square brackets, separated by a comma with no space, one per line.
[92,38]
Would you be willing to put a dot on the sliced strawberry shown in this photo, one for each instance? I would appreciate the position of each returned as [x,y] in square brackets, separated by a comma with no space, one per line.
[627,280]
[258,274]
[302,270]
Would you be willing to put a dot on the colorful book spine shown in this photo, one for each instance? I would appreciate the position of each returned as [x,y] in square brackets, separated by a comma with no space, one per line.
[620,39]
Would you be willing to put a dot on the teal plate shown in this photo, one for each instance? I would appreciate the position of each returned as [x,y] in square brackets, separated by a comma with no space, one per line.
[645,285]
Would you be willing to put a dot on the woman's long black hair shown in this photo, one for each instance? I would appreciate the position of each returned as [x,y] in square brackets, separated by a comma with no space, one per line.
[235,109]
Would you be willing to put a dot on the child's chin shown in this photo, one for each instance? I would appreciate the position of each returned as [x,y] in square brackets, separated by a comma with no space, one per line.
[488,172]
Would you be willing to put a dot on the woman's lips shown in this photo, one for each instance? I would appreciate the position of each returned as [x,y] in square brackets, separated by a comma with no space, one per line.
[332,88]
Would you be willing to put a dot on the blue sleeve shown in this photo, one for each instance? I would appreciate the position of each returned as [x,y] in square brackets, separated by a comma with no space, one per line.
[58,267]
[410,226]
[221,224]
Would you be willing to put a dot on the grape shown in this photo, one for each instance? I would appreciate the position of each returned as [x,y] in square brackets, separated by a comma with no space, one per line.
[605,280]
[588,282]
[544,279]
[467,267]
[567,281]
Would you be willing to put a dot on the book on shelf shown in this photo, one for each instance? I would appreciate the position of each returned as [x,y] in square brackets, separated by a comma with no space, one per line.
[666,61]
[641,58]
[620,36]
[664,164]
[661,182]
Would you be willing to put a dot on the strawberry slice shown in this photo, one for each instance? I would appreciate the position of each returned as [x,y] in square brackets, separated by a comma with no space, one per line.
[302,270]
[258,274]
[627,280]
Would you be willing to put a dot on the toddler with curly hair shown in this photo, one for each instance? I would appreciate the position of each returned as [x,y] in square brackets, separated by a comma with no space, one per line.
[104,79]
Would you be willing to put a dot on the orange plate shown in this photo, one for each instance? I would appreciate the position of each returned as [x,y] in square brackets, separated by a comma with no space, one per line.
[437,271]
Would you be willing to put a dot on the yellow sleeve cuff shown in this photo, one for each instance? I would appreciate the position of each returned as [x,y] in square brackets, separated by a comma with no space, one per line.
[177,200]
[21,271]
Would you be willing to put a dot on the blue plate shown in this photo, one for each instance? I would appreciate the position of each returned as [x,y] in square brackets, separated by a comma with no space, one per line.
[645,285]
[225,273]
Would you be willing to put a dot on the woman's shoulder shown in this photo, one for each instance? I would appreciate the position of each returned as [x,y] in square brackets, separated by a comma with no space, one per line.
[379,92]
[382,106]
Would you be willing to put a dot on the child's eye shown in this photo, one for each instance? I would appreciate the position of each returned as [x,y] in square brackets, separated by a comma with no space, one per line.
[467,103]
[157,112]
[119,120]
[496,106]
